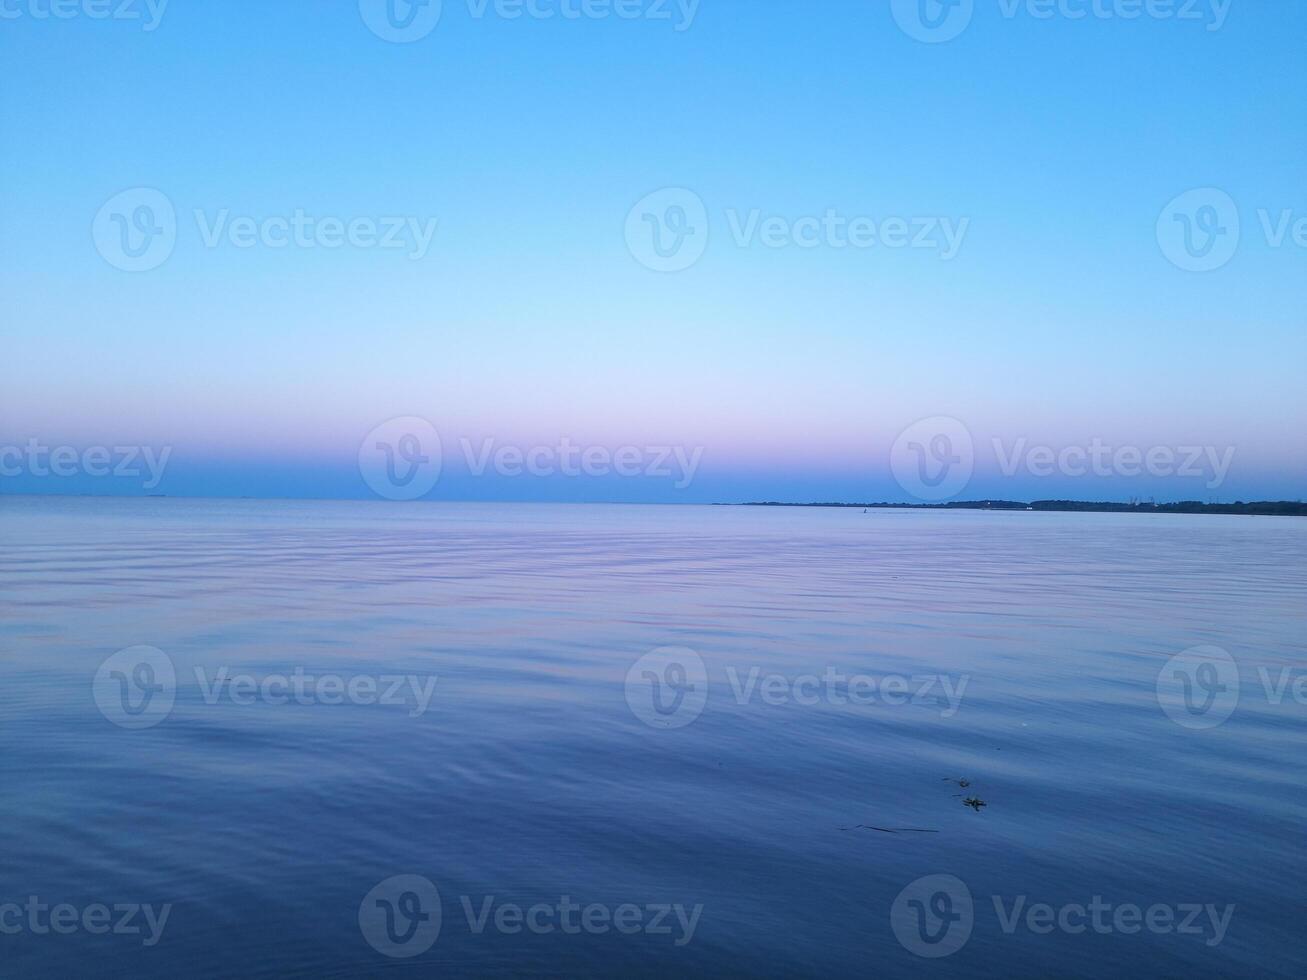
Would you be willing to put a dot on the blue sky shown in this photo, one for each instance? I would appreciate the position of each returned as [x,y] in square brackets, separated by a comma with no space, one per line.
[530,320]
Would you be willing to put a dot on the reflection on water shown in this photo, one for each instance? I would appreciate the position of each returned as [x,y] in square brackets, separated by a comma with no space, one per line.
[591,740]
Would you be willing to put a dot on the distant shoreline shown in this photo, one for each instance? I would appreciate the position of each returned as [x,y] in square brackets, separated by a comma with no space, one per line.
[1261,508]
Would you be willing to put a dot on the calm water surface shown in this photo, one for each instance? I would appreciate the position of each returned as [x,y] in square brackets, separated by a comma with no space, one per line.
[530,774]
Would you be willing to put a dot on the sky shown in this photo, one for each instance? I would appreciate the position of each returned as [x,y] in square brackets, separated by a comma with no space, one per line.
[648,251]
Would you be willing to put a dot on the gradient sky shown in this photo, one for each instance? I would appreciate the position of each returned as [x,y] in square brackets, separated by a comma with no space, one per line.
[1060,321]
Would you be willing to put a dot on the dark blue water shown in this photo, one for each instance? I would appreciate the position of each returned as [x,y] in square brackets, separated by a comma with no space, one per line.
[725,824]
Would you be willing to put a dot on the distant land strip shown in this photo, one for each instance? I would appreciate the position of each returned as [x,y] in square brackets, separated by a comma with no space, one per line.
[1261,508]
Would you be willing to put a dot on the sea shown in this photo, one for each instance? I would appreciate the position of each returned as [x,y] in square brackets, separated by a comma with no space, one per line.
[352,739]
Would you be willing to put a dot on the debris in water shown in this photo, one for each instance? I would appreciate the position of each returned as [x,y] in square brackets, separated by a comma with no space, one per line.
[974,802]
